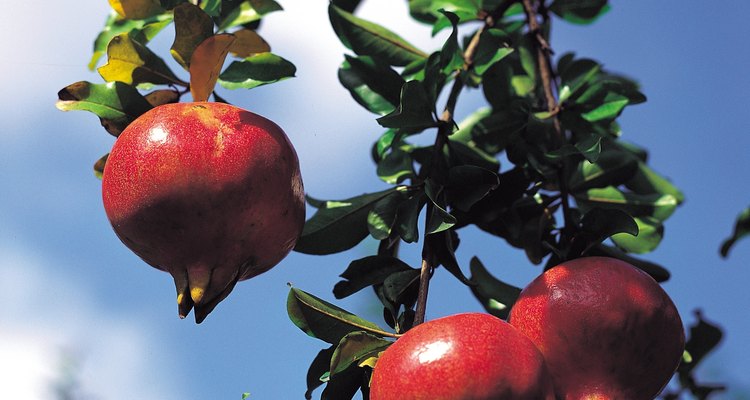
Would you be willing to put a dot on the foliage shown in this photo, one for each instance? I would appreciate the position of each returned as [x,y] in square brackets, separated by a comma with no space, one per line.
[542,165]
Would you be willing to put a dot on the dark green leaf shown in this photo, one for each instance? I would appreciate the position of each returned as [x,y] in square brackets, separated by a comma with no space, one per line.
[354,348]
[579,11]
[396,166]
[451,57]
[323,320]
[468,184]
[611,168]
[256,70]
[575,75]
[320,366]
[496,296]
[440,249]
[428,11]
[246,12]
[338,225]
[368,271]
[471,154]
[192,26]
[638,205]
[590,148]
[648,181]
[131,62]
[415,110]
[382,216]
[493,47]
[344,385]
[659,273]
[741,229]
[598,224]
[611,108]
[439,219]
[650,233]
[115,103]
[374,85]
[369,39]
[99,166]
[702,339]
[401,287]
[383,144]
[407,218]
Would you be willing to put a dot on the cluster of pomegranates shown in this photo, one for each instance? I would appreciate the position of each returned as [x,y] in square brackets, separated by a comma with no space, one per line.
[593,328]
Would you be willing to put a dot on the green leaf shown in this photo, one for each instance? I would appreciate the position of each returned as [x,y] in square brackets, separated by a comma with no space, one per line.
[428,11]
[598,224]
[439,220]
[115,103]
[648,181]
[248,11]
[612,168]
[659,273]
[133,63]
[650,233]
[369,39]
[610,109]
[99,166]
[323,320]
[407,218]
[144,29]
[367,271]
[320,366]
[256,70]
[496,296]
[741,229]
[471,154]
[703,338]
[439,249]
[401,287]
[638,205]
[575,75]
[579,11]
[451,57]
[192,26]
[338,225]
[396,166]
[415,110]
[467,184]
[590,148]
[382,216]
[355,347]
[374,85]
[492,47]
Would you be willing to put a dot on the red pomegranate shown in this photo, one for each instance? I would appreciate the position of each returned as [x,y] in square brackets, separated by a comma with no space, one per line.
[208,192]
[470,356]
[606,329]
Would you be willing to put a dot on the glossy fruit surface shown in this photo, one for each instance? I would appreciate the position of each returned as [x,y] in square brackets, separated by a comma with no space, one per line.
[469,356]
[208,192]
[606,329]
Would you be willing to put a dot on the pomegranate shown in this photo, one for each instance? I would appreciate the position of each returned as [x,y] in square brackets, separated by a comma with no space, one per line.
[208,192]
[469,356]
[606,329]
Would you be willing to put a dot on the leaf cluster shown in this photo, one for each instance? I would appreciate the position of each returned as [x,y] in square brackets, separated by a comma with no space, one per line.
[138,78]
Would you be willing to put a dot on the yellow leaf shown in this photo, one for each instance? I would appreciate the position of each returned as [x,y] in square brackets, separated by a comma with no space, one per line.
[132,63]
[248,43]
[206,63]
[136,9]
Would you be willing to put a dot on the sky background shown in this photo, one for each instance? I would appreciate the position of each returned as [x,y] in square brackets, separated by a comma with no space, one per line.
[77,303]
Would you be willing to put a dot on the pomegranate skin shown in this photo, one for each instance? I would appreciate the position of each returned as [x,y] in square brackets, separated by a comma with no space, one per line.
[208,192]
[607,330]
[470,356]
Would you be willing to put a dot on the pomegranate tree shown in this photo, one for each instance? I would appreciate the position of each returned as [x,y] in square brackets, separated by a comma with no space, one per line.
[208,192]
[469,356]
[606,329]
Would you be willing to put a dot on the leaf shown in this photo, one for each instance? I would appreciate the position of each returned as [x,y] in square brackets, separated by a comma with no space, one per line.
[374,85]
[429,11]
[401,287]
[381,218]
[206,63]
[648,181]
[136,9]
[579,11]
[439,219]
[396,166]
[407,218]
[99,166]
[702,339]
[131,62]
[162,96]
[741,229]
[440,249]
[344,385]
[192,26]
[145,29]
[599,224]
[115,103]
[451,57]
[338,225]
[369,39]
[354,348]
[659,273]
[367,271]
[248,11]
[415,110]
[650,233]
[610,109]
[325,321]
[320,365]
[492,47]
[590,148]
[257,70]
[637,205]
[471,154]
[248,43]
[575,75]
[496,296]
[611,168]
[467,184]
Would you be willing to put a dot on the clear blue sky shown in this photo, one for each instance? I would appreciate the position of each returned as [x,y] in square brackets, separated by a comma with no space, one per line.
[70,290]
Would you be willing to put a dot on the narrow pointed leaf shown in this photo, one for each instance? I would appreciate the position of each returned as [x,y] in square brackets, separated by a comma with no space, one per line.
[354,348]
[637,205]
[247,11]
[323,320]
[206,63]
[320,365]
[493,47]
[367,271]
[256,70]
[192,26]
[741,230]
[115,103]
[370,39]
[99,166]
[496,296]
[133,63]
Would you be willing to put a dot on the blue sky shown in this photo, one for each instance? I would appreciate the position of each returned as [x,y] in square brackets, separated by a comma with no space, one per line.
[72,291]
